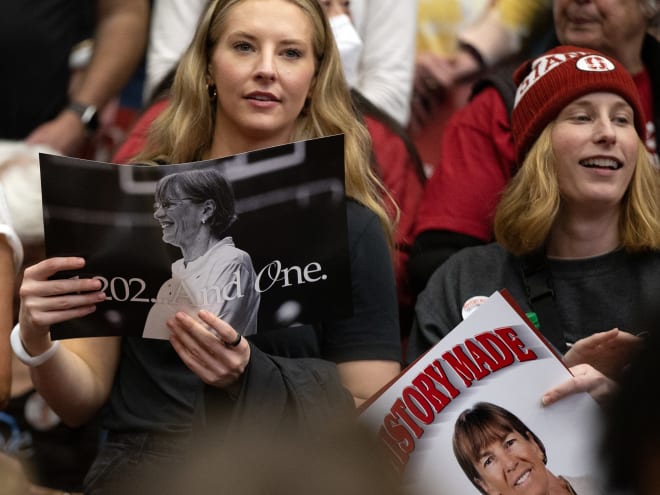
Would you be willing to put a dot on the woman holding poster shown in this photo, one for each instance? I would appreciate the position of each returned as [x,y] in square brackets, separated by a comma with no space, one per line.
[578,228]
[258,73]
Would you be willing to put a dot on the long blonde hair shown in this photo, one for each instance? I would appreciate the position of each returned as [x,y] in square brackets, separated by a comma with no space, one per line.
[530,203]
[184,131]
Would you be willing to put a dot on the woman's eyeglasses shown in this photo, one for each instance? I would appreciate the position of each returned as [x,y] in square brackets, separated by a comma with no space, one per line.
[166,204]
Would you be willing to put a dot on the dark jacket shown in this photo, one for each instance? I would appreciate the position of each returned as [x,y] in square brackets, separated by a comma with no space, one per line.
[302,392]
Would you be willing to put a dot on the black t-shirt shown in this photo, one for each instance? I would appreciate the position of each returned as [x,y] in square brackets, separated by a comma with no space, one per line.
[154,391]
[36,37]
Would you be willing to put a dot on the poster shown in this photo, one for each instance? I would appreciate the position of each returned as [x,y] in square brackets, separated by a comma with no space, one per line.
[158,254]
[495,356]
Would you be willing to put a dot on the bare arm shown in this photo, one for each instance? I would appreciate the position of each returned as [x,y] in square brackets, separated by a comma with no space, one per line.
[6,318]
[364,378]
[77,380]
[11,259]
[119,44]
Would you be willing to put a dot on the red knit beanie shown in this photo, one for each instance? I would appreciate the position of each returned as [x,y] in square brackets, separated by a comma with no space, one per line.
[561,75]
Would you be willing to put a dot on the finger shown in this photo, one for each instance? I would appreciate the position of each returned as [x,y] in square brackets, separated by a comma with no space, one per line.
[585,379]
[47,310]
[50,266]
[215,365]
[559,392]
[582,369]
[44,288]
[191,360]
[191,332]
[204,346]
[48,318]
[596,339]
[183,339]
[628,338]
[224,330]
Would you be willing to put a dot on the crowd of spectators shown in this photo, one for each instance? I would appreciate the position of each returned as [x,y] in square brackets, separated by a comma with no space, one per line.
[431,88]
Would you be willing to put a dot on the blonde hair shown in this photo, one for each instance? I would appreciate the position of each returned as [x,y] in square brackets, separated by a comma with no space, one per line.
[531,201]
[184,131]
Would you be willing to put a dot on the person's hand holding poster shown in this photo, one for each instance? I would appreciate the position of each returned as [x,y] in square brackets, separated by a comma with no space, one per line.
[467,416]
[258,239]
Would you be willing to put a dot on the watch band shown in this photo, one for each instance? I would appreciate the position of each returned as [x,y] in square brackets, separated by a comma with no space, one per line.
[88,114]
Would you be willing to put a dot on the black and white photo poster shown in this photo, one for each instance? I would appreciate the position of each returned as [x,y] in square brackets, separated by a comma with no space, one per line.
[258,238]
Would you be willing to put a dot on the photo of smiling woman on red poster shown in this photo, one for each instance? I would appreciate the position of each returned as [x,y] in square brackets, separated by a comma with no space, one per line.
[500,455]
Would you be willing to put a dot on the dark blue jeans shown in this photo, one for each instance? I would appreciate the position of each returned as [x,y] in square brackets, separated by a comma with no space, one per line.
[135,462]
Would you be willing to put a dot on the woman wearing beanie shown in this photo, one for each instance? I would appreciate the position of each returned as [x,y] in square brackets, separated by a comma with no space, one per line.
[578,228]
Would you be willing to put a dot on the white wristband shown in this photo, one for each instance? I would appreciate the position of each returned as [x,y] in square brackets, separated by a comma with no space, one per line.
[22,354]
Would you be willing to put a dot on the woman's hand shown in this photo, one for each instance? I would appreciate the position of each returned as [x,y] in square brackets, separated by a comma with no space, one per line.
[585,379]
[609,352]
[208,350]
[45,302]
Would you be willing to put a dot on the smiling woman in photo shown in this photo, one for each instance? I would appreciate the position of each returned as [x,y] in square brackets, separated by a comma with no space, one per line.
[500,455]
[195,208]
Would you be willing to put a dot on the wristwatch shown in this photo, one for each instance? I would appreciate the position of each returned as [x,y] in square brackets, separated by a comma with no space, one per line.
[88,114]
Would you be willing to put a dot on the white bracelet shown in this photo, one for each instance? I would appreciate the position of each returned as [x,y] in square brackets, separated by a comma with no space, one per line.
[22,354]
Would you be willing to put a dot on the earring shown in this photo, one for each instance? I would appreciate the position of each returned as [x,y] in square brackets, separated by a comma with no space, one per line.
[212,91]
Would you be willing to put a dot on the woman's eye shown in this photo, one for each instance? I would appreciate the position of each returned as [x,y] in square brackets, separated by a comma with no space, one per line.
[581,117]
[510,442]
[622,119]
[487,461]
[242,46]
[292,53]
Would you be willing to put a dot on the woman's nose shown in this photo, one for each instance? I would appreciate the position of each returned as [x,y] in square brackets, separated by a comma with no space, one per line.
[605,132]
[266,69]
[510,461]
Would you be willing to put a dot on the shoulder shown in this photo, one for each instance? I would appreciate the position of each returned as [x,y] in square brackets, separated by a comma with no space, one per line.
[484,255]
[226,252]
[584,485]
[647,260]
[361,221]
[470,263]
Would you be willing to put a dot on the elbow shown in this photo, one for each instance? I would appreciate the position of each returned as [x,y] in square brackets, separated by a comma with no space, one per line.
[75,419]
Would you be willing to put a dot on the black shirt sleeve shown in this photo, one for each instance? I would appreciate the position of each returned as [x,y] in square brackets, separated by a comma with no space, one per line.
[372,332]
